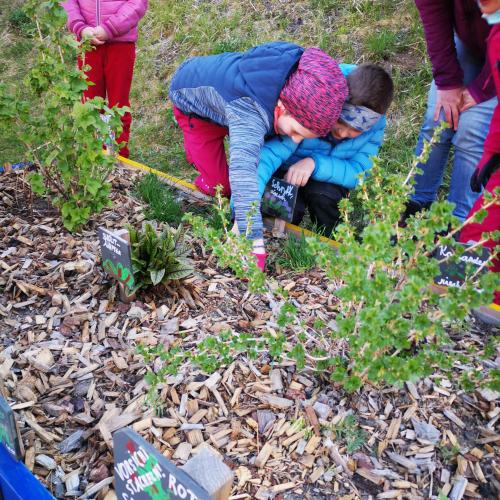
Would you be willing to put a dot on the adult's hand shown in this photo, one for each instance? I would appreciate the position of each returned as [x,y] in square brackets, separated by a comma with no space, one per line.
[298,174]
[450,102]
[467,101]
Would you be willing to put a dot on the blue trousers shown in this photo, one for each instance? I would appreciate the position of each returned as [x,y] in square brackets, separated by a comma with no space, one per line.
[467,143]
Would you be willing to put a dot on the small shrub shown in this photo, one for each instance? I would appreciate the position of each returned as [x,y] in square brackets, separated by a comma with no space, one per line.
[20,21]
[64,137]
[158,257]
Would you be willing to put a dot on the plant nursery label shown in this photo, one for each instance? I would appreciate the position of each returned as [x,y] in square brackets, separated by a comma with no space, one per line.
[279,199]
[452,274]
[116,258]
[8,430]
[142,473]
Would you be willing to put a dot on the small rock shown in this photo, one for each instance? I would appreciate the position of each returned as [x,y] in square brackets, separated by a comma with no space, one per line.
[426,431]
[98,473]
[71,442]
[46,462]
[136,312]
[323,411]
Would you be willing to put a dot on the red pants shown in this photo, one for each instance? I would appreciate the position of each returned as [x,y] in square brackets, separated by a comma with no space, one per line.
[473,232]
[112,68]
[204,147]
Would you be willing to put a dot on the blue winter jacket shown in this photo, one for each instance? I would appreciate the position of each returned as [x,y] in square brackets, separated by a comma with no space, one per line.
[338,163]
[238,91]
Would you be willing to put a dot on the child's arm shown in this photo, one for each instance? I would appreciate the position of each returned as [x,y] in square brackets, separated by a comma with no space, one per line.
[349,159]
[125,18]
[274,153]
[76,22]
[247,129]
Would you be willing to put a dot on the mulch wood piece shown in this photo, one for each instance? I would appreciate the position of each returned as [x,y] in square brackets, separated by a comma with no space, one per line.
[70,370]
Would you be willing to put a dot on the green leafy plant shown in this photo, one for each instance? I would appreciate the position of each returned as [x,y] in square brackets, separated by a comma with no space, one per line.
[62,135]
[296,254]
[391,326]
[163,205]
[232,250]
[348,432]
[158,257]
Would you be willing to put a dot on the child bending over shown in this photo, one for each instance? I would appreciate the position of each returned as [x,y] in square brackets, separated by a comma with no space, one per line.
[277,88]
[326,168]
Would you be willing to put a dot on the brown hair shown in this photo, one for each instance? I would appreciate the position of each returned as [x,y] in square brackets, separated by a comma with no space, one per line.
[371,86]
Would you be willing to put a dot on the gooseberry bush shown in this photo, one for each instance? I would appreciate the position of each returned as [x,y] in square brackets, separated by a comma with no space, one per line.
[391,325]
[62,135]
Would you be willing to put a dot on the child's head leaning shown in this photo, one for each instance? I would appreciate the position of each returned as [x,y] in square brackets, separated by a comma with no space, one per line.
[370,95]
[312,98]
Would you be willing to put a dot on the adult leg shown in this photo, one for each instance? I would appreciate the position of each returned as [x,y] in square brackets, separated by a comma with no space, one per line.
[119,70]
[204,146]
[322,200]
[473,127]
[469,140]
[428,182]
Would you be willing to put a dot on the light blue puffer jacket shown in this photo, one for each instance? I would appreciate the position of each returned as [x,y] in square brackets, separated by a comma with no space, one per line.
[339,163]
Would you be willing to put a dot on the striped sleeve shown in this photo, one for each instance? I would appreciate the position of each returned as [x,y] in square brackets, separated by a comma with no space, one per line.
[248,124]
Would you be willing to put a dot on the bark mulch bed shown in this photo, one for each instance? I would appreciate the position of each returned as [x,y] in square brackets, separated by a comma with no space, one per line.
[70,370]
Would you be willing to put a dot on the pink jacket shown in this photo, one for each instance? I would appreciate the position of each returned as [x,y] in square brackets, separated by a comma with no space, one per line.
[119,18]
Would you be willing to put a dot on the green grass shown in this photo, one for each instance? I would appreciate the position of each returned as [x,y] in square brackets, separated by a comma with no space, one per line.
[356,31]
[296,254]
[162,201]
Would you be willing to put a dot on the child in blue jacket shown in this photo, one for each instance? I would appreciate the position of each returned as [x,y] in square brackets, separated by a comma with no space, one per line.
[327,168]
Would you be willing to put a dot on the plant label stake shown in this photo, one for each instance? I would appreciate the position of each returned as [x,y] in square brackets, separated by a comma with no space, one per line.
[117,261]
[9,436]
[16,481]
[452,274]
[142,473]
[279,201]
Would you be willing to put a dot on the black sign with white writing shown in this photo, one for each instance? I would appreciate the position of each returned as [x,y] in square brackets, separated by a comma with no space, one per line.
[142,473]
[279,199]
[8,430]
[116,257]
[453,274]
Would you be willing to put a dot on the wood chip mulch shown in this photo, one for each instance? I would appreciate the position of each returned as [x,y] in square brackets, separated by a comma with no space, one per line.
[70,370]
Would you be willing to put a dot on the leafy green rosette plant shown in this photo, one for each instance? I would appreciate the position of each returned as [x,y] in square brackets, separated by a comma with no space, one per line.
[158,257]
[63,136]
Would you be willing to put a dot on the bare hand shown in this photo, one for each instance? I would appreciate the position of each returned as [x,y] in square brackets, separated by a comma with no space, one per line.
[450,101]
[87,32]
[467,101]
[100,33]
[298,174]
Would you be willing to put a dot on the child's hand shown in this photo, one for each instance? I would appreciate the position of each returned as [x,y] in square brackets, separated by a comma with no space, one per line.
[87,32]
[100,33]
[298,174]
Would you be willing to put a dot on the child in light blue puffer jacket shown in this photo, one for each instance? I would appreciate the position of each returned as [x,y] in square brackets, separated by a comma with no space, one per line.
[327,168]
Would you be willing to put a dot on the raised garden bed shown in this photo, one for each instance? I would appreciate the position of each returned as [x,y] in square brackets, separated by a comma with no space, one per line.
[70,369]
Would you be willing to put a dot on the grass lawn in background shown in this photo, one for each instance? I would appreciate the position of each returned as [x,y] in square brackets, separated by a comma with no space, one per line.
[356,31]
